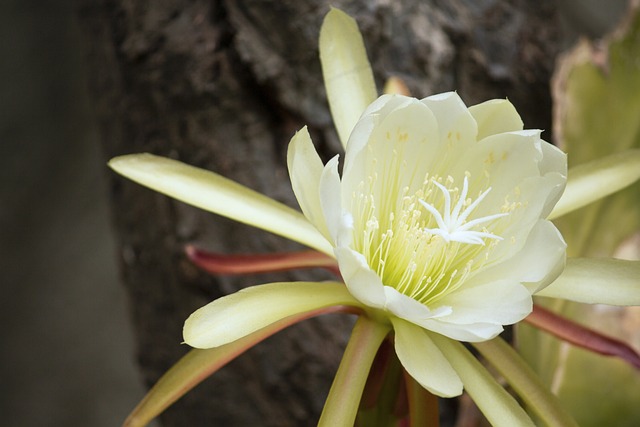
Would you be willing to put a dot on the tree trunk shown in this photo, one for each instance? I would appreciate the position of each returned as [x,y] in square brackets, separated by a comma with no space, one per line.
[223,85]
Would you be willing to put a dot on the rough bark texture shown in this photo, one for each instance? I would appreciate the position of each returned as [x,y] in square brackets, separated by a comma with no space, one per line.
[223,85]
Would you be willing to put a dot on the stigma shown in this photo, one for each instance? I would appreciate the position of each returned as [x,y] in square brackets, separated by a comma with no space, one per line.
[453,225]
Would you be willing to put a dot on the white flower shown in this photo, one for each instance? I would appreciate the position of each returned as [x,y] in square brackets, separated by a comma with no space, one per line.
[439,217]
[438,224]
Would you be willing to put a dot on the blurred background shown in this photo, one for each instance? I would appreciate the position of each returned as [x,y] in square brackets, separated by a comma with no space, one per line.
[67,356]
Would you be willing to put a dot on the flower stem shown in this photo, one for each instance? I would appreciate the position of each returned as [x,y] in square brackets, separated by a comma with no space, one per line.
[198,365]
[423,406]
[343,401]
[525,382]
[383,395]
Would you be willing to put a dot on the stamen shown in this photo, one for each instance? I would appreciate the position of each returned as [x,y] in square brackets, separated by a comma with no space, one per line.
[423,263]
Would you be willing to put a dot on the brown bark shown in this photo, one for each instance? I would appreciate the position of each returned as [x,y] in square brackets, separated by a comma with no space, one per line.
[223,85]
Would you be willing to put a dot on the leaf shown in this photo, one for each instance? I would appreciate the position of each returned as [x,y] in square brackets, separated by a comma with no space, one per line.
[597,115]
[590,182]
[597,109]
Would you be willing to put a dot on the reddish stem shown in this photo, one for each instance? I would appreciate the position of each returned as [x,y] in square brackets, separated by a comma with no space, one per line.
[582,336]
[259,263]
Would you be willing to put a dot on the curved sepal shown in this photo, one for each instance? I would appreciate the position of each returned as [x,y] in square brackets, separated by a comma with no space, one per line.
[235,316]
[347,73]
[214,193]
[500,408]
[423,360]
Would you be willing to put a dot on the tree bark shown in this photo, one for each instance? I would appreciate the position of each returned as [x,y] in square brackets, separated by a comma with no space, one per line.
[223,85]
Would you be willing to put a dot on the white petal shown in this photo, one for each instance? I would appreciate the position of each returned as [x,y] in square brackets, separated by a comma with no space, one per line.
[495,116]
[539,261]
[214,193]
[512,164]
[501,162]
[554,163]
[424,361]
[455,122]
[597,281]
[237,315]
[437,319]
[409,309]
[330,200]
[597,179]
[384,104]
[363,283]
[400,149]
[543,258]
[371,117]
[532,193]
[305,170]
[358,155]
[348,78]
[502,302]
[472,332]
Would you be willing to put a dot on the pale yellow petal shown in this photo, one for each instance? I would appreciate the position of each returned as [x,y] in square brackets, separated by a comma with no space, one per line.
[456,125]
[554,162]
[524,176]
[330,200]
[535,265]
[362,133]
[495,116]
[214,193]
[400,148]
[305,171]
[504,161]
[468,332]
[503,302]
[597,281]
[362,282]
[237,315]
[594,180]
[347,74]
[424,361]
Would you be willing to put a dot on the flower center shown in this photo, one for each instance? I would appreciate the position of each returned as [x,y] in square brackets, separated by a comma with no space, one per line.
[453,226]
[425,244]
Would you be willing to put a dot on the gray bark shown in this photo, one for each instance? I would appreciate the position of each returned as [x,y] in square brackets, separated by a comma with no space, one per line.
[223,85]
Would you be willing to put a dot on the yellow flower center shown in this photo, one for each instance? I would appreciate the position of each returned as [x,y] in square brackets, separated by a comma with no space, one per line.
[425,244]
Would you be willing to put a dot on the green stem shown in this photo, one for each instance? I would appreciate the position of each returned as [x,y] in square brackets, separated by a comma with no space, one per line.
[198,365]
[500,408]
[525,382]
[423,406]
[343,401]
